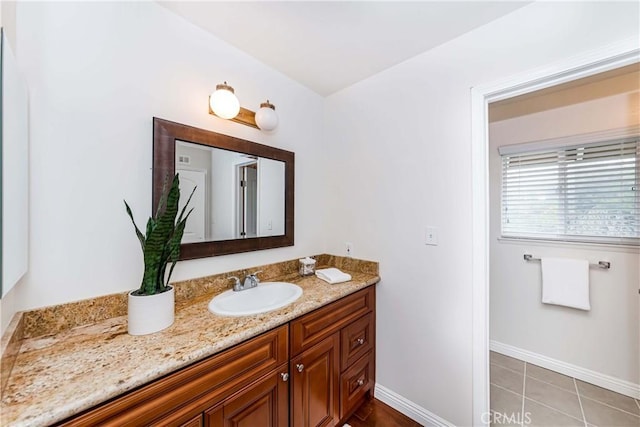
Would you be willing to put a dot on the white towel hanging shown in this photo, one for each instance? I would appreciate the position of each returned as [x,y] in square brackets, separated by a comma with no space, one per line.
[565,281]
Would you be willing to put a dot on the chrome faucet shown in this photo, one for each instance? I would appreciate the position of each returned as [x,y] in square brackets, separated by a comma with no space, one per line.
[250,281]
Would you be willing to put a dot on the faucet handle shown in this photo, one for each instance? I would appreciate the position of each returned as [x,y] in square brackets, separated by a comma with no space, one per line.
[254,275]
[236,282]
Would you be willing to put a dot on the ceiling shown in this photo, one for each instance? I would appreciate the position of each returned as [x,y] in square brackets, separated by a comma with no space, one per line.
[329,45]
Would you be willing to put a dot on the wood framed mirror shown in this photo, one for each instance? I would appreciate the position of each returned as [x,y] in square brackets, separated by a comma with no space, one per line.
[244,190]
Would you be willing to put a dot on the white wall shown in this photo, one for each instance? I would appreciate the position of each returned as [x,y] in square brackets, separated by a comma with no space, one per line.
[604,339]
[400,151]
[271,175]
[223,188]
[98,73]
[9,22]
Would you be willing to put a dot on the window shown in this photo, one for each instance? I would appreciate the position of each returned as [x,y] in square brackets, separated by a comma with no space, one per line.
[584,193]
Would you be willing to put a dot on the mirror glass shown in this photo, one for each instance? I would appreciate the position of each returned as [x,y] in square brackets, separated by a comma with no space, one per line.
[237,195]
[244,190]
[14,169]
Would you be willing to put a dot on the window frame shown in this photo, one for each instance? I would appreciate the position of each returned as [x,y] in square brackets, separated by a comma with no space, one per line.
[562,146]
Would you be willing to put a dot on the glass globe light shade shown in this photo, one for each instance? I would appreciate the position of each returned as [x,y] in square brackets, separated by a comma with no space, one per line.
[266,117]
[224,102]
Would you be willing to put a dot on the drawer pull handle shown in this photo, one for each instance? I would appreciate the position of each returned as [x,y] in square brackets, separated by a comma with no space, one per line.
[300,367]
[285,376]
[360,382]
[360,341]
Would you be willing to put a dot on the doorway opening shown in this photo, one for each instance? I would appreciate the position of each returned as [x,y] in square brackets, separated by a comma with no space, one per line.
[563,172]
[594,62]
[247,200]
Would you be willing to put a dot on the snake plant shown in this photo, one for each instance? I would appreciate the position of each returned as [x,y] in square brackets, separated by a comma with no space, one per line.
[161,243]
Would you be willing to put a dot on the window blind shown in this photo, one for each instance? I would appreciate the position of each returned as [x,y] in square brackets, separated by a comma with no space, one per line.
[586,193]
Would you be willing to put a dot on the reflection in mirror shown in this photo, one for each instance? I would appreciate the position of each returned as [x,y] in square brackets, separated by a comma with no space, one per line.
[237,195]
[244,199]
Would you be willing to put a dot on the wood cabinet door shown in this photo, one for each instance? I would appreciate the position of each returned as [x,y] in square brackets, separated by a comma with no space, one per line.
[193,422]
[265,403]
[315,376]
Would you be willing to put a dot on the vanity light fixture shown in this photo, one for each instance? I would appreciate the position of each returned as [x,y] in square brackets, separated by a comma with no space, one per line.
[266,117]
[223,102]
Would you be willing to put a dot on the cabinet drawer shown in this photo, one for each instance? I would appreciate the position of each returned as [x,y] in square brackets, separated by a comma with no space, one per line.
[313,327]
[356,340]
[355,382]
[177,398]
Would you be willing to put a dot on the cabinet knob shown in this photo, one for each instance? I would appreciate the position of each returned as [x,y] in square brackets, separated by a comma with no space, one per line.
[285,376]
[360,382]
[300,367]
[360,341]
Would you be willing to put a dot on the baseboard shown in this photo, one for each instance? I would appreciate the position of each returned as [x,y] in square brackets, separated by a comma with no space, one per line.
[605,381]
[408,408]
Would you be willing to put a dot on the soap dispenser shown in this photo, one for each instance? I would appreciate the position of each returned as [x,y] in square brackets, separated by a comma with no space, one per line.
[307,266]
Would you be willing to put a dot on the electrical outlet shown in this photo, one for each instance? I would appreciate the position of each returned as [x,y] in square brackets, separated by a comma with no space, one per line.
[349,247]
[431,236]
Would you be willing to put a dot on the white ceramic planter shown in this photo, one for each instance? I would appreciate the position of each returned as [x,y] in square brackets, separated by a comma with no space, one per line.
[150,313]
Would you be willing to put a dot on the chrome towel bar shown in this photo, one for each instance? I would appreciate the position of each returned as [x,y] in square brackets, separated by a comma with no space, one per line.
[605,265]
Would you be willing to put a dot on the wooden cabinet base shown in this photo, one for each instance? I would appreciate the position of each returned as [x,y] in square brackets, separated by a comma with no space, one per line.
[177,398]
[317,380]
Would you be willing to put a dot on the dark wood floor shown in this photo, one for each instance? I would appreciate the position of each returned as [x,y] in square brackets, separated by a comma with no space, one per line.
[377,414]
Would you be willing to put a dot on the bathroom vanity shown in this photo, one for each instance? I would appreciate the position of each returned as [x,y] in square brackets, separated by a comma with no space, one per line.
[317,369]
[307,364]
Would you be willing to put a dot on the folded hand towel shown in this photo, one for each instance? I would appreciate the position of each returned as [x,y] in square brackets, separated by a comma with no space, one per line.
[332,275]
[565,282]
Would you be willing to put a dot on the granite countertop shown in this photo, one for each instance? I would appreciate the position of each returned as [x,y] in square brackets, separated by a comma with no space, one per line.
[58,375]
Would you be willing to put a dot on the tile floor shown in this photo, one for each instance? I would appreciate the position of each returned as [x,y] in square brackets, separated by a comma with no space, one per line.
[523,394]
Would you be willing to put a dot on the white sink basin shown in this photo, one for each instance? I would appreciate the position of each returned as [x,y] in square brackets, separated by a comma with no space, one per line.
[267,296]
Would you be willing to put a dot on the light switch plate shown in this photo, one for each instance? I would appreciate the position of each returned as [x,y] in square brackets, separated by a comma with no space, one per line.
[431,236]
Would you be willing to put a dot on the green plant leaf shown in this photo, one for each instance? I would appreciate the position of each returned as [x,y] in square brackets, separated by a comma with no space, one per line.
[156,253]
[161,245]
[141,237]
[150,226]
[174,244]
[184,208]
